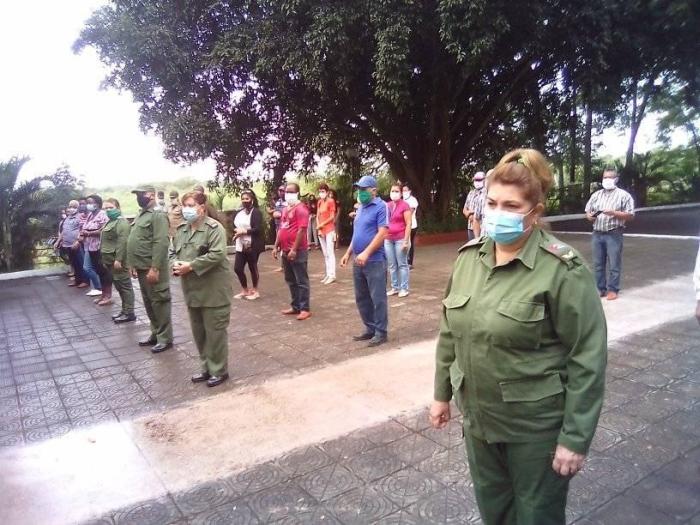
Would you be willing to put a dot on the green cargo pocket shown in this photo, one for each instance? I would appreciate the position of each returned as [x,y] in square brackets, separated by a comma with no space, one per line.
[532,389]
[518,324]
[455,300]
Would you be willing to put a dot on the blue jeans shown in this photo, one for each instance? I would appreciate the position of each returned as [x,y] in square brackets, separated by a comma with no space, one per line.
[398,264]
[89,271]
[370,296]
[296,275]
[607,250]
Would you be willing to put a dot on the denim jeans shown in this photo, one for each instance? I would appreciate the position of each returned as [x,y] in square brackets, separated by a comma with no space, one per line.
[607,251]
[296,275]
[90,271]
[397,258]
[370,296]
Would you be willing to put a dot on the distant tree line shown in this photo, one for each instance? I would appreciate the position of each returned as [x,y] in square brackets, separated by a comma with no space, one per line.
[433,87]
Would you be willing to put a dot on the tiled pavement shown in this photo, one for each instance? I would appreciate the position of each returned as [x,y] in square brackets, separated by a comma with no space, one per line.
[643,468]
[63,364]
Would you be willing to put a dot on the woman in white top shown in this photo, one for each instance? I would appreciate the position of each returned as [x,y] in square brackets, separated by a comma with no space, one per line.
[249,244]
[413,204]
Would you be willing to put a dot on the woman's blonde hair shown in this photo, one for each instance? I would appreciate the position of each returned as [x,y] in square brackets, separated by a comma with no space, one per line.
[527,169]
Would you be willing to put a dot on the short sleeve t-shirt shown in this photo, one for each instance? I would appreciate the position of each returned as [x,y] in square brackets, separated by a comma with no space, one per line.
[370,217]
[413,204]
[293,218]
[397,223]
[326,212]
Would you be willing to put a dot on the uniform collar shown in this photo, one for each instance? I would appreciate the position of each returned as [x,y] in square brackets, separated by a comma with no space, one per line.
[526,255]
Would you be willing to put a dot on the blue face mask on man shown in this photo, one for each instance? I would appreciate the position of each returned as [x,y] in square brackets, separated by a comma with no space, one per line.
[504,227]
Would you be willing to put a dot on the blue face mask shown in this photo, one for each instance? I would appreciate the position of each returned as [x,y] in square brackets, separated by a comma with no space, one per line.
[189,213]
[504,227]
[90,207]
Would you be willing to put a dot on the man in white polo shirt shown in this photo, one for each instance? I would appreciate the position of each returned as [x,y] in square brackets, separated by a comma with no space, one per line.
[609,209]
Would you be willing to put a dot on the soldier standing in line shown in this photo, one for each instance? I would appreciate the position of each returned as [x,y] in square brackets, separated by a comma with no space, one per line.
[522,349]
[174,214]
[114,239]
[147,257]
[199,257]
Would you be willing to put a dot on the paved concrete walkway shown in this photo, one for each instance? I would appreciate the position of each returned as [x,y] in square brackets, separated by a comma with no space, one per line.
[176,463]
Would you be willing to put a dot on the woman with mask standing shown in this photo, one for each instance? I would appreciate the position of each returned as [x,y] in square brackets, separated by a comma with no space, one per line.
[199,258]
[326,230]
[90,236]
[522,349]
[413,205]
[113,247]
[70,233]
[398,242]
[249,244]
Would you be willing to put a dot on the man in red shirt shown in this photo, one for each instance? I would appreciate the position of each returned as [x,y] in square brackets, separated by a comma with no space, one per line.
[292,241]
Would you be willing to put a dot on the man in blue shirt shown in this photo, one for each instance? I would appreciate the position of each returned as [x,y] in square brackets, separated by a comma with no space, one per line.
[369,269]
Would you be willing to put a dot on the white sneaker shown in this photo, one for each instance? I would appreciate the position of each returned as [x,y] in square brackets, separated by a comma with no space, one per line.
[403,293]
[329,280]
[323,281]
[253,296]
[241,295]
[391,292]
[93,293]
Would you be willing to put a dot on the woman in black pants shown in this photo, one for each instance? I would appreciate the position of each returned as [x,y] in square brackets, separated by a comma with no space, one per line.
[249,244]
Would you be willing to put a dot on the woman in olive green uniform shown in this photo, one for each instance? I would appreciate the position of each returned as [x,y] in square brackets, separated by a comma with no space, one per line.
[113,247]
[199,257]
[522,349]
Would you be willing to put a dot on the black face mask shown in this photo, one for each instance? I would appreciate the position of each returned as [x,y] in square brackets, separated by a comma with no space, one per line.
[247,205]
[143,200]
[82,208]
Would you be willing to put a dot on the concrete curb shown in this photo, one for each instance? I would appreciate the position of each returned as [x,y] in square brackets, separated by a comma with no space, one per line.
[42,272]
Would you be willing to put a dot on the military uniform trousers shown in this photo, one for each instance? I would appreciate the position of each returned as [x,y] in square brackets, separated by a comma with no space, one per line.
[210,331]
[515,484]
[156,301]
[122,282]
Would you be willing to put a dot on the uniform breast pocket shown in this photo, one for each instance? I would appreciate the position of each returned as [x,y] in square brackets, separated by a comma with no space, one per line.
[518,324]
[455,309]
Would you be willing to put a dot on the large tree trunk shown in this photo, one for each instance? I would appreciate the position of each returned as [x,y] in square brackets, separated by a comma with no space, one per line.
[587,152]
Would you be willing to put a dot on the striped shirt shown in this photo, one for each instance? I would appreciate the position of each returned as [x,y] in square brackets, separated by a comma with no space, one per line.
[475,204]
[605,200]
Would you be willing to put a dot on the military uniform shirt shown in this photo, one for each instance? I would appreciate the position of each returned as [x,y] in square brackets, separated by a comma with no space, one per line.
[523,346]
[114,239]
[209,282]
[148,240]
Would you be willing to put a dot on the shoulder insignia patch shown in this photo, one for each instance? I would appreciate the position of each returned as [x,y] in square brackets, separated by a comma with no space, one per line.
[561,251]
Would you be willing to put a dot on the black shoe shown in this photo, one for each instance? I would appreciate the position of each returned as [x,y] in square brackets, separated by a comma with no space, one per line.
[148,342]
[217,380]
[161,347]
[364,337]
[117,315]
[200,378]
[377,340]
[125,318]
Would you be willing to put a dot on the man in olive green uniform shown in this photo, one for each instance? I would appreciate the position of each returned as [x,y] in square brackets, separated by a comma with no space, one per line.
[522,349]
[113,247]
[199,256]
[147,256]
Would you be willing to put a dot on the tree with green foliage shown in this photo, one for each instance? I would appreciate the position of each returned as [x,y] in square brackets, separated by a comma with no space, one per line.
[29,211]
[430,86]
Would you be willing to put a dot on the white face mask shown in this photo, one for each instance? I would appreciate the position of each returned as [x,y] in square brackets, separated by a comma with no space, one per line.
[291,198]
[395,195]
[609,184]
[478,184]
[406,194]
[322,195]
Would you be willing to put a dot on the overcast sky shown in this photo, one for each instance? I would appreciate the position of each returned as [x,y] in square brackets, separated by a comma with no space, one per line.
[53,110]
